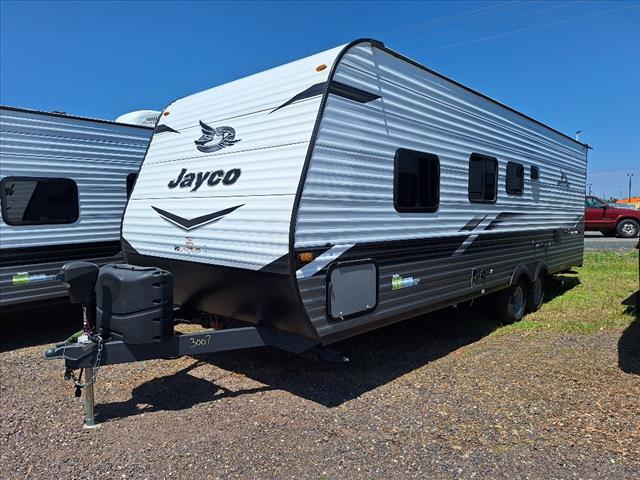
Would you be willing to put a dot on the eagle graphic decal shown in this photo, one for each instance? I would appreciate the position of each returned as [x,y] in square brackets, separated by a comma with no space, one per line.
[215,138]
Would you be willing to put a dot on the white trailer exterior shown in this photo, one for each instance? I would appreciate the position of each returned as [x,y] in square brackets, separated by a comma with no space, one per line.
[288,198]
[94,157]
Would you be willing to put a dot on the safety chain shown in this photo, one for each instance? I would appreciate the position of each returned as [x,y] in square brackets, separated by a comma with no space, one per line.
[70,375]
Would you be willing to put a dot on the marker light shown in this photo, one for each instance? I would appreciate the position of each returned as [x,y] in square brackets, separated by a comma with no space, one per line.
[306,257]
[320,67]
[166,113]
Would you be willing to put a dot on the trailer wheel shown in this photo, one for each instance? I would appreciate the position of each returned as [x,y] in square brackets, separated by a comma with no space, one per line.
[512,302]
[628,228]
[535,295]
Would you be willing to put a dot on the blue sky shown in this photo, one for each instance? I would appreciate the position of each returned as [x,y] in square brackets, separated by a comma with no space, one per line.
[574,65]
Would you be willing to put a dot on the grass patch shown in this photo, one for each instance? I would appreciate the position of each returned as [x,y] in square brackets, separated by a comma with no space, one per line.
[590,301]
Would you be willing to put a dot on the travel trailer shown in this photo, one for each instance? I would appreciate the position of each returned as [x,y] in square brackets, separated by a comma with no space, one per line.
[349,190]
[327,197]
[63,187]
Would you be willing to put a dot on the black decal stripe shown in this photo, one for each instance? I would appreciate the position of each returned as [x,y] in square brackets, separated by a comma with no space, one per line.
[352,93]
[164,128]
[57,253]
[473,223]
[407,251]
[442,248]
[501,218]
[194,222]
[279,266]
[488,244]
[312,91]
[337,88]
[397,252]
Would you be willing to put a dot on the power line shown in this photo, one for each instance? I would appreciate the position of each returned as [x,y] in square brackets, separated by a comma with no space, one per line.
[532,28]
[498,20]
[451,17]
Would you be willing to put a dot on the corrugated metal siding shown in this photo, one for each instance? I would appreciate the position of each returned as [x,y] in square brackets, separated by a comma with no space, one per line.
[352,162]
[97,156]
[348,193]
[270,152]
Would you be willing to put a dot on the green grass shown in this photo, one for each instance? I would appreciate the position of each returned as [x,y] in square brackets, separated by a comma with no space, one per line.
[590,301]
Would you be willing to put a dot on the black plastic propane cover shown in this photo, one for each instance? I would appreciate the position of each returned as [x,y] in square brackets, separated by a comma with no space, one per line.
[134,304]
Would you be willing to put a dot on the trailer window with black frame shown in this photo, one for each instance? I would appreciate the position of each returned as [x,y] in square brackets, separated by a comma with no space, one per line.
[514,182]
[39,200]
[416,181]
[483,178]
[535,173]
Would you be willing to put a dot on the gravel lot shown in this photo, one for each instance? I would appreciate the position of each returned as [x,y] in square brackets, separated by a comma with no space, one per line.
[597,241]
[435,397]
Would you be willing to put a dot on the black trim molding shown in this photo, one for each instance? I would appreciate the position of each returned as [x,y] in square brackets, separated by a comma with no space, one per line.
[336,88]
[352,93]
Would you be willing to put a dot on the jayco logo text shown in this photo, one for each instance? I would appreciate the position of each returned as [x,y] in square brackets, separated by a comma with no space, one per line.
[195,180]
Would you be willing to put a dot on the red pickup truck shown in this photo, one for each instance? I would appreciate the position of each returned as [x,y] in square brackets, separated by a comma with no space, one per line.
[611,221]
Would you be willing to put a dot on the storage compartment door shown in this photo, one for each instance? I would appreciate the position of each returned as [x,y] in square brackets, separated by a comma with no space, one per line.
[352,289]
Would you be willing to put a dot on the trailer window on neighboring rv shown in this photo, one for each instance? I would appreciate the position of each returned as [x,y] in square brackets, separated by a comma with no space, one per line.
[483,178]
[515,178]
[416,181]
[39,201]
[535,172]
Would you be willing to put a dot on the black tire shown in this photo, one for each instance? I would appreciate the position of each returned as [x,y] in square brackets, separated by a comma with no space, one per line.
[511,303]
[535,293]
[610,233]
[627,228]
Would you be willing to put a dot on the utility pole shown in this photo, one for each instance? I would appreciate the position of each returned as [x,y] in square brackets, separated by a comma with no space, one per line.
[629,175]
[590,185]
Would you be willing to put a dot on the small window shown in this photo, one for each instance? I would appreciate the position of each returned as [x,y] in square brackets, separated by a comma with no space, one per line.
[535,172]
[416,181]
[483,178]
[39,201]
[131,181]
[515,178]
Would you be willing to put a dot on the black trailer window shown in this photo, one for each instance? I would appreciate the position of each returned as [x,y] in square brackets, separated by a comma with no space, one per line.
[483,178]
[416,185]
[38,201]
[514,182]
[535,172]
[131,181]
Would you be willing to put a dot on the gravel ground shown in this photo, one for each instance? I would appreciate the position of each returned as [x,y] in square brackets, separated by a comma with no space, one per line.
[597,241]
[434,397]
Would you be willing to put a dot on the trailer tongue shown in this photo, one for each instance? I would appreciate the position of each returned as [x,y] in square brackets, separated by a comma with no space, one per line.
[129,317]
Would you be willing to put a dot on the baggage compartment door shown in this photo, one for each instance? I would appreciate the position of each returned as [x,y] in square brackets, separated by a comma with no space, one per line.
[352,289]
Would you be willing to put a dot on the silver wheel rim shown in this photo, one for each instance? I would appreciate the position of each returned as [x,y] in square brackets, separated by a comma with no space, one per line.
[537,292]
[517,302]
[628,229]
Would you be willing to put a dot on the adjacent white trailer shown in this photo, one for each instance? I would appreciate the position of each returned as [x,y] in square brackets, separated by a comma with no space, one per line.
[352,189]
[63,187]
